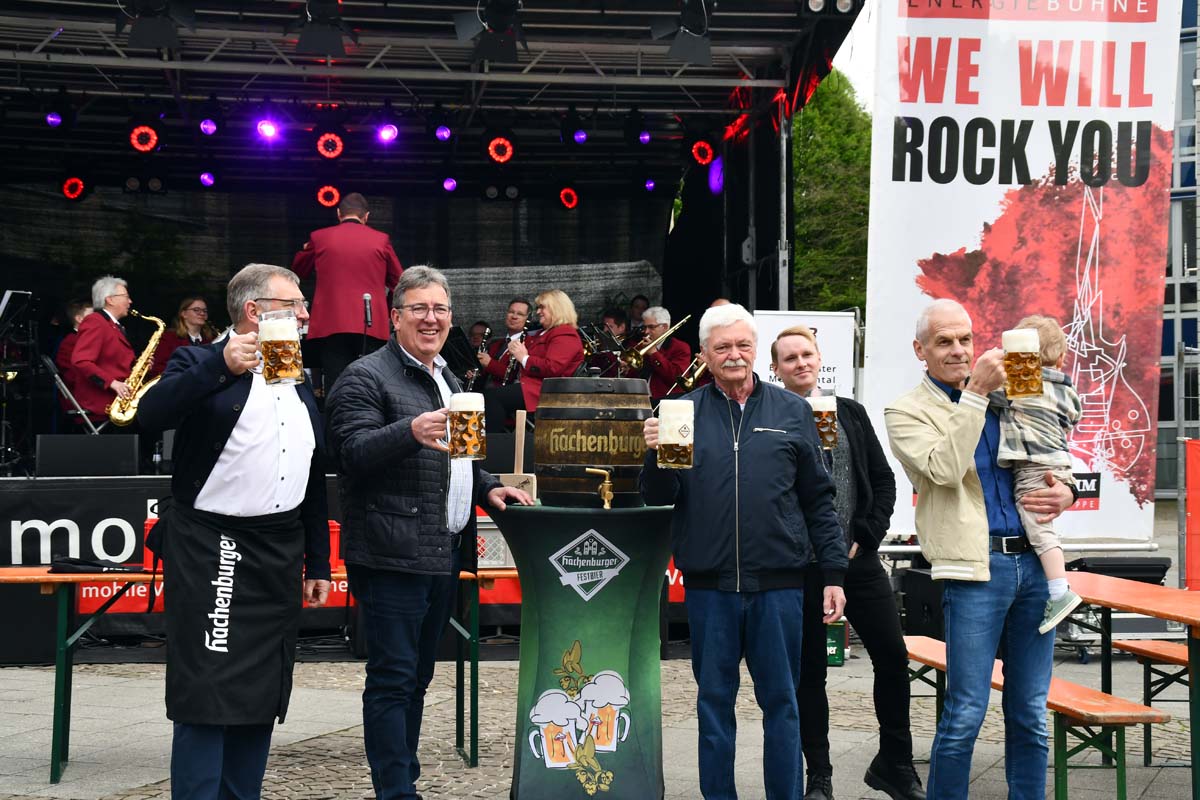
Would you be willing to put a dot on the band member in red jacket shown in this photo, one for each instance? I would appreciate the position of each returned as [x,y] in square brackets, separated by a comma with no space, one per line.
[191,328]
[496,360]
[103,356]
[662,365]
[554,352]
[76,312]
[349,260]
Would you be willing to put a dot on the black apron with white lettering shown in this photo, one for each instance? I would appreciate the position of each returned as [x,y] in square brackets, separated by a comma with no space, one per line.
[232,588]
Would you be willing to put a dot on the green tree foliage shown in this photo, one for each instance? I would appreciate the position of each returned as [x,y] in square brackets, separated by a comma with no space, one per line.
[831,191]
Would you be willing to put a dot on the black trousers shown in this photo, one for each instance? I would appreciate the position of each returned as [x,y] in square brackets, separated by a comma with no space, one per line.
[338,350]
[500,404]
[871,609]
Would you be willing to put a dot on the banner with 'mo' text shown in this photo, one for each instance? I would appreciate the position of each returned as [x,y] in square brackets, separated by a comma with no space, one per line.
[1021,164]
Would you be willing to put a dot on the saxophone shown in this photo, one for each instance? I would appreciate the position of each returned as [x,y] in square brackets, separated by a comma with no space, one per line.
[122,410]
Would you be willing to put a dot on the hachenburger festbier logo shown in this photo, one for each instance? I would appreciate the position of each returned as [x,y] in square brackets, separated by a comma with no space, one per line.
[563,441]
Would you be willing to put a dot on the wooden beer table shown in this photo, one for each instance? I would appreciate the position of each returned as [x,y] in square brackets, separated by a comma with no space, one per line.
[1162,602]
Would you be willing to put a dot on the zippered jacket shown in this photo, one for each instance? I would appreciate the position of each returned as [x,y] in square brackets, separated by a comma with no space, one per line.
[758,501]
[392,489]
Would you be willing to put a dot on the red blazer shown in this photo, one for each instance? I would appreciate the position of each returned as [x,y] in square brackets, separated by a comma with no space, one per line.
[62,360]
[349,260]
[664,366]
[554,353]
[167,345]
[498,350]
[102,355]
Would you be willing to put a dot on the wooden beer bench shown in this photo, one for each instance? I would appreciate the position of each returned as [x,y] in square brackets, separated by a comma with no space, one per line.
[467,646]
[1088,714]
[1150,653]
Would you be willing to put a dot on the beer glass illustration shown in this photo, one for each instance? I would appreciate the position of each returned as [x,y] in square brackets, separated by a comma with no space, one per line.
[557,717]
[604,700]
[825,415]
[468,439]
[675,430]
[1022,363]
[279,347]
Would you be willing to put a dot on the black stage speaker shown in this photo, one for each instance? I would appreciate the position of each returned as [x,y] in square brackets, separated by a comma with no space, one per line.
[73,455]
[27,626]
[922,604]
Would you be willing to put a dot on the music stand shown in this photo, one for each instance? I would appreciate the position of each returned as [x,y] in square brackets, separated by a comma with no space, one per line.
[13,307]
[459,355]
[62,387]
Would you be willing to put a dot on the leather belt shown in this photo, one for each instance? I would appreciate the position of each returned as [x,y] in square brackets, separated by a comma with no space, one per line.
[1010,545]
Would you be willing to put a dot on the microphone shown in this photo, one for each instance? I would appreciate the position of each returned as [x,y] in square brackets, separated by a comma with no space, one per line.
[367,309]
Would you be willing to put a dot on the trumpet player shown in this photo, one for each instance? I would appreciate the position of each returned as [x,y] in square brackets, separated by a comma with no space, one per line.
[665,361]
[495,359]
[103,356]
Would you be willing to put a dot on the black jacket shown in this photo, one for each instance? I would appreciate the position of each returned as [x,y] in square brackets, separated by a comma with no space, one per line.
[199,397]
[392,489]
[748,516]
[873,479]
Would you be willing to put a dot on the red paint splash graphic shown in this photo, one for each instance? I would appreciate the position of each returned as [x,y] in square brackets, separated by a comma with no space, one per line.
[1095,260]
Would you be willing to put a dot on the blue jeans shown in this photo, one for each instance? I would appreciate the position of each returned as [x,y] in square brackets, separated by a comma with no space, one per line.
[979,618]
[765,628]
[219,762]
[403,616]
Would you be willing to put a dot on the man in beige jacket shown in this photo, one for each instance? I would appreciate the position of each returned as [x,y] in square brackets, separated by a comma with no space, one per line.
[945,433]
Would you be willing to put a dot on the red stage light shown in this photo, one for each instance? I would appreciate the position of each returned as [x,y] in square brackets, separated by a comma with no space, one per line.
[500,149]
[330,145]
[329,196]
[72,188]
[568,197]
[143,138]
[702,151]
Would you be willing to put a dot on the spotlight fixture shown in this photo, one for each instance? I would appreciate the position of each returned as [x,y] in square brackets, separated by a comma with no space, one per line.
[208,126]
[439,124]
[132,185]
[60,112]
[207,179]
[501,189]
[703,152]
[54,119]
[321,29]
[568,197]
[716,175]
[499,145]
[491,192]
[74,187]
[449,184]
[691,44]
[387,133]
[267,128]
[329,196]
[144,181]
[847,9]
[636,132]
[495,27]
[145,133]
[649,184]
[443,133]
[330,141]
[210,116]
[571,128]
[152,23]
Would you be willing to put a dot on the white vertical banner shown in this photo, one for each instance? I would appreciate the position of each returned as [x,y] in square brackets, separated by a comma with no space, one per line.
[1021,164]
[834,331]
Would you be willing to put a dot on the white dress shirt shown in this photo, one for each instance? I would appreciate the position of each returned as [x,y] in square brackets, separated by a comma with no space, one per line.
[263,468]
[458,501]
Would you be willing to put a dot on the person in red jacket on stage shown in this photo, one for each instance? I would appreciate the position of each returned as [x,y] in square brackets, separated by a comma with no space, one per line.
[663,364]
[496,360]
[554,352]
[76,312]
[350,260]
[191,328]
[103,356]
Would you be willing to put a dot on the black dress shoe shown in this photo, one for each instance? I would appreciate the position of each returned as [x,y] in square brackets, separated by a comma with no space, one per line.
[819,787]
[897,781]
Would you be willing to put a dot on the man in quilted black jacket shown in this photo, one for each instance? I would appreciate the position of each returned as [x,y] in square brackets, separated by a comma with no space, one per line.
[408,517]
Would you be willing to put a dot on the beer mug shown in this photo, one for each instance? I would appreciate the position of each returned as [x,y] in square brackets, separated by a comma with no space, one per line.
[468,437]
[279,347]
[605,725]
[825,415]
[558,744]
[1022,363]
[675,429]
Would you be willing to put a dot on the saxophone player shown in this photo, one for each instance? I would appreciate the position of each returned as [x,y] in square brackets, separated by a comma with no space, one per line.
[103,356]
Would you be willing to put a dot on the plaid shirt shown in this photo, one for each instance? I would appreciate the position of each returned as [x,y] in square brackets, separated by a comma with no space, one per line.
[1034,429]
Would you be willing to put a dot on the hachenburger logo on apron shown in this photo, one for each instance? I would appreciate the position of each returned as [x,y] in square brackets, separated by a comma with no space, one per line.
[217,639]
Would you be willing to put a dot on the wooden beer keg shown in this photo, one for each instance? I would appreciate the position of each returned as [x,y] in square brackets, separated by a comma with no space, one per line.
[590,422]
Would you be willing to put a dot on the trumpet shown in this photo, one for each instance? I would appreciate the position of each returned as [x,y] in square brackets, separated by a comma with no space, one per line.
[591,344]
[633,358]
[687,381]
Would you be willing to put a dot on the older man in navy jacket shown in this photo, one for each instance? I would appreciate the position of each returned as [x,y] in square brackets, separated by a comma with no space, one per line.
[247,530]
[748,517]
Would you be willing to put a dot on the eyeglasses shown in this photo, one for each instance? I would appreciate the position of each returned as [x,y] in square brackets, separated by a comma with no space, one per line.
[198,310]
[294,305]
[420,310]
[123,294]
